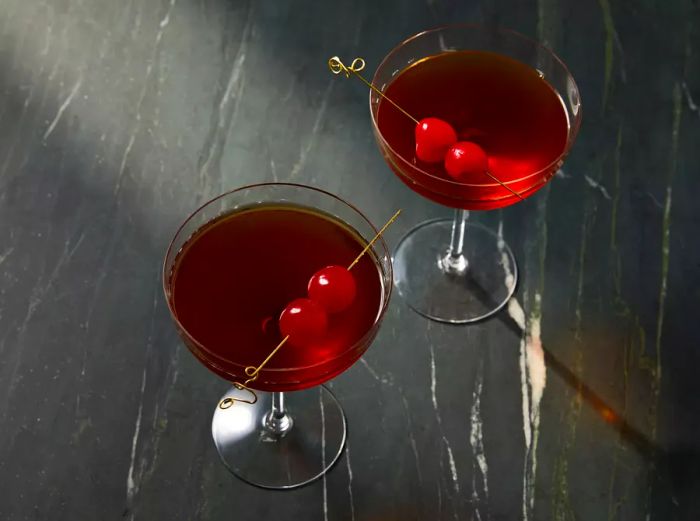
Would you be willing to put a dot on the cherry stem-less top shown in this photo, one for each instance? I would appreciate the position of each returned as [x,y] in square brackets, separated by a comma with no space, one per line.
[338,67]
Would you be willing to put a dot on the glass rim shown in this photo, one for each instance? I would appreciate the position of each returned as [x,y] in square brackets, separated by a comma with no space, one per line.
[573,126]
[386,288]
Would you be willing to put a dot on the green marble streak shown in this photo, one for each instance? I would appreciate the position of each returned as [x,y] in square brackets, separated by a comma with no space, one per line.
[609,26]
[561,501]
[636,355]
[614,209]
[615,503]
[655,362]
[666,231]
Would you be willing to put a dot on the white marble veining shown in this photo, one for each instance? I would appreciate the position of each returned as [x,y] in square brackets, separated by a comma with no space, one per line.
[63,108]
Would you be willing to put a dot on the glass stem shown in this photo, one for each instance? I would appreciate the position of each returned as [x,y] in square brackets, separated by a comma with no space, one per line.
[278,420]
[454,261]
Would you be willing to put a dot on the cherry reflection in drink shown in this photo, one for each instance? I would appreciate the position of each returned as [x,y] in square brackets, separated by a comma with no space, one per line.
[244,271]
[513,112]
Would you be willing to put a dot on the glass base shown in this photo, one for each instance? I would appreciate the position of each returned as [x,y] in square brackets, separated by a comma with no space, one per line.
[311,438]
[454,289]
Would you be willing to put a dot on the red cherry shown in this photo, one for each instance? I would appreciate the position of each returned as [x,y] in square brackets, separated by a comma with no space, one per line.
[304,321]
[333,287]
[433,137]
[464,160]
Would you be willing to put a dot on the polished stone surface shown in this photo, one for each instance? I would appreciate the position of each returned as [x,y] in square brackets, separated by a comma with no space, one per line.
[580,401]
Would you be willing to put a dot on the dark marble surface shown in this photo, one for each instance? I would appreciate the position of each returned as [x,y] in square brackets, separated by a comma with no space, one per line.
[581,401]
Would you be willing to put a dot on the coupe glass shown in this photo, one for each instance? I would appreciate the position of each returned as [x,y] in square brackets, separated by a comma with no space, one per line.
[283,440]
[453,270]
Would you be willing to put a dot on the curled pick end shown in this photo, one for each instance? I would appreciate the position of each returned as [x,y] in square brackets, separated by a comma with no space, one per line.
[228,401]
[336,66]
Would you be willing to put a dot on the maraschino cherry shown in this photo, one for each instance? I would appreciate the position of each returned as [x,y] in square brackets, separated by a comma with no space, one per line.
[436,140]
[434,137]
[304,321]
[464,160]
[333,287]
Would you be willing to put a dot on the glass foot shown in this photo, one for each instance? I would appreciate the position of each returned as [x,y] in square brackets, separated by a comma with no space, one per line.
[311,439]
[457,290]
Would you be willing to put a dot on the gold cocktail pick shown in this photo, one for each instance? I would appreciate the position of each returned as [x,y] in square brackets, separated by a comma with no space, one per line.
[252,372]
[338,67]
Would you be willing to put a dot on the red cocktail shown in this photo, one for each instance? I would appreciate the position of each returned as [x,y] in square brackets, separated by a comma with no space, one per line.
[232,268]
[235,275]
[505,96]
[495,101]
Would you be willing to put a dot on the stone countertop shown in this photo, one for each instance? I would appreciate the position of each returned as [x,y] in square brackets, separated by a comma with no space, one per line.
[581,400]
